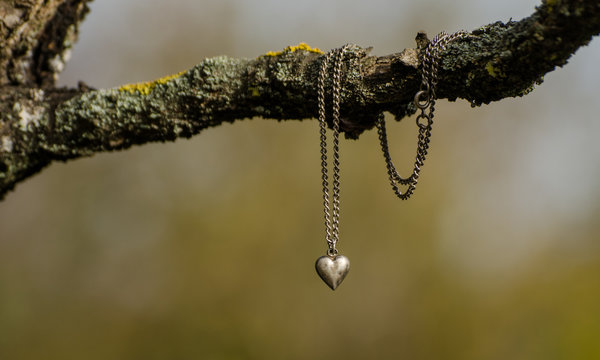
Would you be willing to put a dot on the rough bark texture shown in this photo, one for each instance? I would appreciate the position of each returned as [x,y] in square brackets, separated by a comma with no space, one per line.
[36,37]
[40,123]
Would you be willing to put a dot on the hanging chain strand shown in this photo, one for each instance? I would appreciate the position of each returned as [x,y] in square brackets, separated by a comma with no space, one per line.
[332,214]
[430,57]
[323,144]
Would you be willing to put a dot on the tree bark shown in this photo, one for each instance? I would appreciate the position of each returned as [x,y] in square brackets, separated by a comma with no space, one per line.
[40,123]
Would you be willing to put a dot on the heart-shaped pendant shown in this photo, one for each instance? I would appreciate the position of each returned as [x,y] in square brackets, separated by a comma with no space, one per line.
[333,270]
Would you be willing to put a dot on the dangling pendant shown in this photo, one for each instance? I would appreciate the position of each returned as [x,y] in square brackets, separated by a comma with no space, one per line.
[333,269]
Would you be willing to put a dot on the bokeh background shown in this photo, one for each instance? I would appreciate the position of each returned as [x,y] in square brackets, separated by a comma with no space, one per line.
[204,248]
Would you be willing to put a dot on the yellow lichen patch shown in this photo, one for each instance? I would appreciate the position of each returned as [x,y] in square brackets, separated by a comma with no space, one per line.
[301,46]
[146,88]
[494,71]
[254,91]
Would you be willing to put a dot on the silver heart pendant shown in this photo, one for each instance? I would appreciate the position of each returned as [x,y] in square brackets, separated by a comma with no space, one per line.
[333,270]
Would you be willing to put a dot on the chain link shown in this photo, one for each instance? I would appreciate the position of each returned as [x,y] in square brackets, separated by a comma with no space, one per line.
[332,214]
[424,100]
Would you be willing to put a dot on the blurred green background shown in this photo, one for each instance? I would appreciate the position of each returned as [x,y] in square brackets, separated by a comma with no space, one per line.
[204,248]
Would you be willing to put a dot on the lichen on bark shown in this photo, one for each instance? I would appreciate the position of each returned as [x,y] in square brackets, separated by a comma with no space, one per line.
[40,123]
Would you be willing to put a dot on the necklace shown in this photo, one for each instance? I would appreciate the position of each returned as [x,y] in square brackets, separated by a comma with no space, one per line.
[424,100]
[333,267]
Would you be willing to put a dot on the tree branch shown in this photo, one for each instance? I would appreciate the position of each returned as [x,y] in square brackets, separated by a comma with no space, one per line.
[39,125]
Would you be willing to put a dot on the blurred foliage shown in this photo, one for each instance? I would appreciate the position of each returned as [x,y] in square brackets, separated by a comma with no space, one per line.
[205,248]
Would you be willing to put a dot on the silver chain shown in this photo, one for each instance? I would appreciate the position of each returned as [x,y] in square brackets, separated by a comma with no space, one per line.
[332,215]
[424,100]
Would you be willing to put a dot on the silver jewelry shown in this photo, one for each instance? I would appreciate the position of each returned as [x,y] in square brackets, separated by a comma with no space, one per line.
[332,267]
[424,100]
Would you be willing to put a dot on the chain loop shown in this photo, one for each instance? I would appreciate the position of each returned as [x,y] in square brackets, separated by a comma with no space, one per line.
[424,100]
[426,124]
[332,251]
